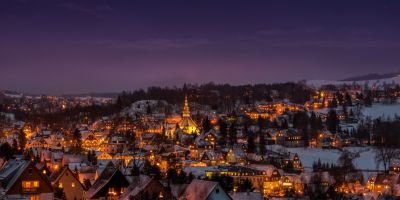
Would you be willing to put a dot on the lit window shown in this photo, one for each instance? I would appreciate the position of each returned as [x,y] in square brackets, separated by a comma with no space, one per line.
[60,185]
[111,191]
[30,185]
[34,197]
[73,185]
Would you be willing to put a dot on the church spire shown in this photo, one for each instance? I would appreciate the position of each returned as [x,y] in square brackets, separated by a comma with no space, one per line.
[186,112]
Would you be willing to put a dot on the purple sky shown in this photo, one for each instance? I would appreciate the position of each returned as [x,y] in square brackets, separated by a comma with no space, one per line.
[72,46]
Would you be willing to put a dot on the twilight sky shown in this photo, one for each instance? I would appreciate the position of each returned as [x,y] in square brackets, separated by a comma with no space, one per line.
[73,46]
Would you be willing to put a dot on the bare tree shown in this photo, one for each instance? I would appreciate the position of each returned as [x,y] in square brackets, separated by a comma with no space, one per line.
[385,155]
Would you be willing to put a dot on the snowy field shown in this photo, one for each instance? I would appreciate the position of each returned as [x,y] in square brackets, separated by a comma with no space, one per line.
[382,110]
[366,161]
[370,83]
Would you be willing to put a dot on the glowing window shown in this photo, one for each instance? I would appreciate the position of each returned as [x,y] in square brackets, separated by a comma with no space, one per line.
[34,197]
[30,185]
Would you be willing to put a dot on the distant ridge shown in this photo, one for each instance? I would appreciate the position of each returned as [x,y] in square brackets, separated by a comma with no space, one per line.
[101,95]
[16,94]
[373,76]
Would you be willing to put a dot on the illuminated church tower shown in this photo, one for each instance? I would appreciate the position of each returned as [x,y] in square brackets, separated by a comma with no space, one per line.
[187,124]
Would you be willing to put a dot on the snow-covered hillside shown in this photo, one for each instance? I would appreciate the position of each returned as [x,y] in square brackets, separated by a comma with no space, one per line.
[140,107]
[366,160]
[371,83]
[382,111]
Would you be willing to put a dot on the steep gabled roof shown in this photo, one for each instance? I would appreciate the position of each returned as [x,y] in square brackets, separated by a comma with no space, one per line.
[12,172]
[55,177]
[105,177]
[199,190]
[138,184]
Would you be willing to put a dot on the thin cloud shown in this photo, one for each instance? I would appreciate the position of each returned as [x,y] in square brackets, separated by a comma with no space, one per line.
[322,43]
[151,44]
[281,31]
[94,10]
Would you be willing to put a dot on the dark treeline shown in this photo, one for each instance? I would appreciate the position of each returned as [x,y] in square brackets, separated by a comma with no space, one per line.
[220,96]
[68,117]
[386,132]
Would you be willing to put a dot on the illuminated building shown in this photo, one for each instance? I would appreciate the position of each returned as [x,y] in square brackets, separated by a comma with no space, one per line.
[239,174]
[21,179]
[187,124]
[91,142]
[110,184]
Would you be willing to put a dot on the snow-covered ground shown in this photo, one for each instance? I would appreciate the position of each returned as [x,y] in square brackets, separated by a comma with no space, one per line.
[382,110]
[141,107]
[371,83]
[308,156]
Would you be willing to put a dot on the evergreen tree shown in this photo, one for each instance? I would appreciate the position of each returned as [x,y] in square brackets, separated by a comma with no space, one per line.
[284,124]
[223,131]
[313,125]
[300,121]
[77,137]
[130,137]
[251,147]
[340,98]
[332,121]
[6,151]
[135,171]
[89,157]
[94,158]
[232,134]
[333,103]
[345,113]
[15,147]
[245,186]
[22,140]
[226,182]
[59,193]
[206,125]
[261,145]
[368,100]
[349,101]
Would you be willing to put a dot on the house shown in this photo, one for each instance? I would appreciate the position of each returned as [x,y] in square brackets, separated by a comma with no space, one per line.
[42,167]
[21,179]
[293,138]
[69,182]
[212,158]
[236,155]
[382,183]
[239,174]
[204,190]
[145,187]
[116,143]
[207,140]
[110,184]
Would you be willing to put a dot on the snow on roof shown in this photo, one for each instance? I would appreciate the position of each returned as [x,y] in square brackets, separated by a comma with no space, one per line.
[246,196]
[199,189]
